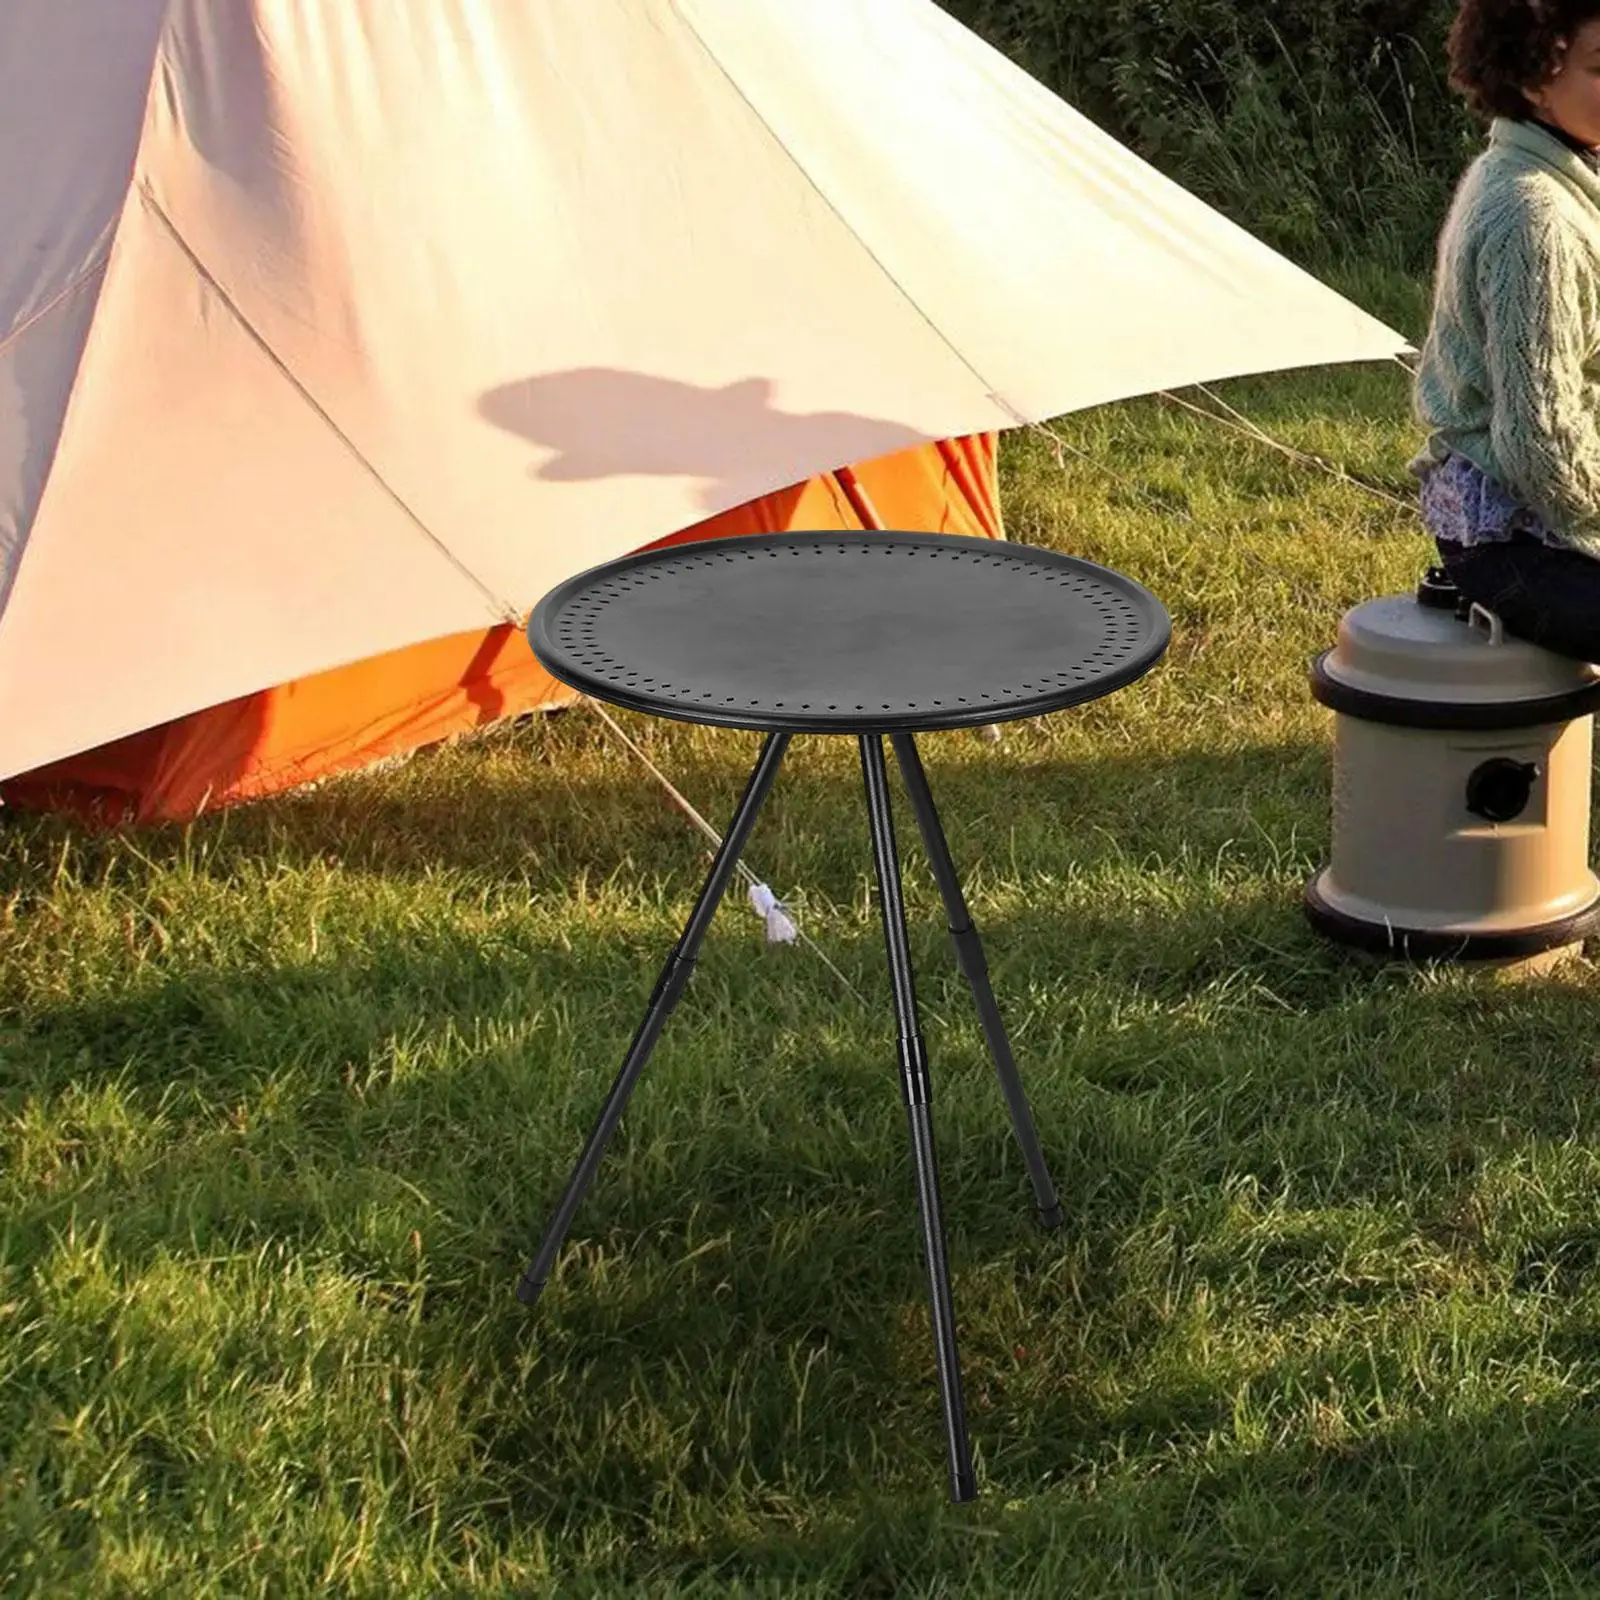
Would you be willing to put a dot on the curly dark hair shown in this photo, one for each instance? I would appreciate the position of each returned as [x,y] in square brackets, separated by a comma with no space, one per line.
[1498,48]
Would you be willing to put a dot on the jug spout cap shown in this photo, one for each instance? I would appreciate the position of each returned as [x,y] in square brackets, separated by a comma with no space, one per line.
[1438,590]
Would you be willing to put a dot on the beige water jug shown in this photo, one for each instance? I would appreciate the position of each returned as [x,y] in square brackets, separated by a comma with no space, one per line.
[1460,787]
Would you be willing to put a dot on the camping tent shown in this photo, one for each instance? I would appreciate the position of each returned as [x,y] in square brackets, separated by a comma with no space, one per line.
[333,333]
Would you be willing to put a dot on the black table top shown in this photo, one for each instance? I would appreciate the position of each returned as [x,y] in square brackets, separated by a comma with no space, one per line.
[849,632]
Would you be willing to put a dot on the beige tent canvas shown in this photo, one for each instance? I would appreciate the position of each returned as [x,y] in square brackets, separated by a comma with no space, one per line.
[330,328]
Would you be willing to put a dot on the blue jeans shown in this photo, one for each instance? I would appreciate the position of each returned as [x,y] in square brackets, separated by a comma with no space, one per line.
[1547,596]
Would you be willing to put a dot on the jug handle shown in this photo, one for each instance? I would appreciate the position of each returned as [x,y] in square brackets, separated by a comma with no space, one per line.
[1497,629]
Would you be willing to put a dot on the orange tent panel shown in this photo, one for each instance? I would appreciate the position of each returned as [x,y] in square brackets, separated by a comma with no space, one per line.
[336,721]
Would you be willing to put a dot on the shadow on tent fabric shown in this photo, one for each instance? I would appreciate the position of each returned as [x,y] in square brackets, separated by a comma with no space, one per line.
[599,422]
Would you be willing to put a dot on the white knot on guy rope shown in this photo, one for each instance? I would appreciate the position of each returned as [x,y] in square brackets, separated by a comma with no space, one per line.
[780,930]
[780,925]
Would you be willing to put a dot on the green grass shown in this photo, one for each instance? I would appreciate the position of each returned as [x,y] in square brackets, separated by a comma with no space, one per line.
[286,1097]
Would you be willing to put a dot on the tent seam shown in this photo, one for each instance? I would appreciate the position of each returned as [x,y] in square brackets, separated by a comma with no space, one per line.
[989,390]
[95,268]
[502,608]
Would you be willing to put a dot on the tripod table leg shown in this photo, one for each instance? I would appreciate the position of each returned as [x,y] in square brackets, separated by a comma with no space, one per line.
[917,1088]
[969,952]
[669,988]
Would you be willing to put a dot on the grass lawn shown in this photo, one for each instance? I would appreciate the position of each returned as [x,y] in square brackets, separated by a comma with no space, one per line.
[286,1098]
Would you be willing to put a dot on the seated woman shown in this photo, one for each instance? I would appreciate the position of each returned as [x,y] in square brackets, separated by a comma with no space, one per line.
[1508,384]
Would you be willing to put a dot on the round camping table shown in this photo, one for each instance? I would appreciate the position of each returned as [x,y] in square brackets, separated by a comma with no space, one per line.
[874,635]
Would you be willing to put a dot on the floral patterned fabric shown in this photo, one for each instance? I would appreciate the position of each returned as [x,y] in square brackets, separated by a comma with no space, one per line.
[1461,503]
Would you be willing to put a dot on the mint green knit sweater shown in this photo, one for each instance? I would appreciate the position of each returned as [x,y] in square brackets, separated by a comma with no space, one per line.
[1508,376]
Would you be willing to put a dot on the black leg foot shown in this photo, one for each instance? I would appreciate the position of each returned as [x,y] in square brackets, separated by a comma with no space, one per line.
[669,987]
[918,1090]
[969,952]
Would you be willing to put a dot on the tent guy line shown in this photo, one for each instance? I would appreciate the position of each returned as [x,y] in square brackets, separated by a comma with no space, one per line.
[1242,424]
